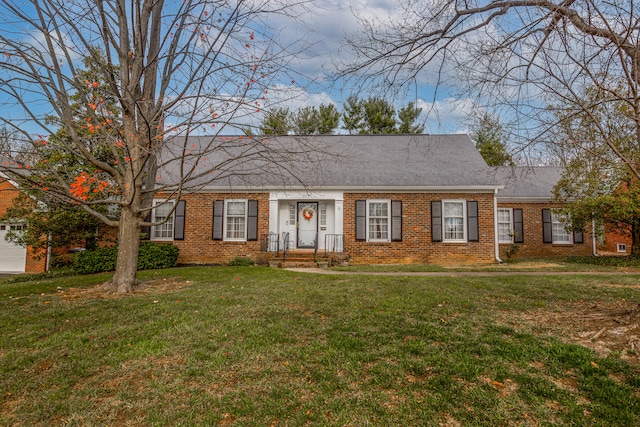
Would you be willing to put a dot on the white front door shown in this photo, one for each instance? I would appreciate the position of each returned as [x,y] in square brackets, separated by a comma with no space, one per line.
[307,224]
[12,257]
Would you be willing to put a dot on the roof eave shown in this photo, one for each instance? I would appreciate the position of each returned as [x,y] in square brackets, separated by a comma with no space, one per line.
[359,189]
[505,199]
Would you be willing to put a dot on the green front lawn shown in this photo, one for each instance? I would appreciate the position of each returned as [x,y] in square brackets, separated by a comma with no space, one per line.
[557,264]
[254,346]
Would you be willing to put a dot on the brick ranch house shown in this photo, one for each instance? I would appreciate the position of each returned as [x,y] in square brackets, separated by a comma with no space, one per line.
[384,199]
[361,198]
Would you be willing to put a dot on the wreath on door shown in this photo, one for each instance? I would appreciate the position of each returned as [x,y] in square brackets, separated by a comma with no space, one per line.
[307,213]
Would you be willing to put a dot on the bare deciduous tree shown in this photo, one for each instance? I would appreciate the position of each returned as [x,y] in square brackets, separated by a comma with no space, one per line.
[520,55]
[164,71]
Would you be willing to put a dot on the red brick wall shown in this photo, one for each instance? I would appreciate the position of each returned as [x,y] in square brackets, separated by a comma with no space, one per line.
[613,236]
[198,246]
[36,262]
[416,245]
[533,245]
[7,193]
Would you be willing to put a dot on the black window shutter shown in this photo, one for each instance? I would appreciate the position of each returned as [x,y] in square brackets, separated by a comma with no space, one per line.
[361,220]
[518,226]
[218,215]
[146,231]
[396,221]
[546,226]
[473,234]
[178,220]
[578,237]
[436,221]
[252,220]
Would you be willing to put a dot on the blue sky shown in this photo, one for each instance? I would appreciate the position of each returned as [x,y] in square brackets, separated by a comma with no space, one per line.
[325,30]
[322,27]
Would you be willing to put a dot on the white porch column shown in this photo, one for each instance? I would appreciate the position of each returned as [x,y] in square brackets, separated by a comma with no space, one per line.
[339,215]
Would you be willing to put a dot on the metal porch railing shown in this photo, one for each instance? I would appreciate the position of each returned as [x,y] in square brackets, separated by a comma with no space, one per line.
[333,243]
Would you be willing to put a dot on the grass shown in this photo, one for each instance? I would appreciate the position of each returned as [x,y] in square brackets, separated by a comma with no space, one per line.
[568,264]
[252,346]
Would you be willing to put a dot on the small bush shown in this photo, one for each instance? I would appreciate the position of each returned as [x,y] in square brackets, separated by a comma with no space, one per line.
[241,261]
[512,251]
[61,261]
[102,259]
[151,256]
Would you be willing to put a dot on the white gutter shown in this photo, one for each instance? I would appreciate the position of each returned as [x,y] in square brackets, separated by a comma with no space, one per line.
[495,226]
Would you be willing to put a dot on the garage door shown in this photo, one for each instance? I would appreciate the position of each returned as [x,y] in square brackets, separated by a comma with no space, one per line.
[12,257]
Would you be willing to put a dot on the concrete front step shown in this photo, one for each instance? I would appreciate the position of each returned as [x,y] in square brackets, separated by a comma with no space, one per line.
[297,263]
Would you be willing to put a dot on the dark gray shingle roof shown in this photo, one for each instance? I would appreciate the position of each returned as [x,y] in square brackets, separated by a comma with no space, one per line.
[347,162]
[534,183]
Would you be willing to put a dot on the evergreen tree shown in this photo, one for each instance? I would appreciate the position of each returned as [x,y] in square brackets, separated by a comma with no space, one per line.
[352,115]
[329,119]
[408,116]
[276,122]
[490,141]
[305,121]
[379,116]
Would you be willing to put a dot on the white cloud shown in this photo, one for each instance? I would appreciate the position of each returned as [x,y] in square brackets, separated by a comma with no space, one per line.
[449,115]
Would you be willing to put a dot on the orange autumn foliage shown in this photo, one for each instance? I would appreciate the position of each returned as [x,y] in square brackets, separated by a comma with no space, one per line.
[84,184]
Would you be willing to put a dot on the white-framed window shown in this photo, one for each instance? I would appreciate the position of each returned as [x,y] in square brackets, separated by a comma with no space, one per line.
[622,247]
[378,213]
[559,233]
[235,226]
[453,220]
[292,213]
[161,210]
[505,225]
[323,216]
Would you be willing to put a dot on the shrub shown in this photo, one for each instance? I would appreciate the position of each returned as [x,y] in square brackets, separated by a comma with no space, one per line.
[59,261]
[151,256]
[97,261]
[241,261]
[512,251]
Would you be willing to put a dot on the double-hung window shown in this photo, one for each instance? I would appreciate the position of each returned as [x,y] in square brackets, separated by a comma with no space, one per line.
[235,220]
[559,232]
[378,220]
[161,211]
[453,215]
[505,225]
[555,230]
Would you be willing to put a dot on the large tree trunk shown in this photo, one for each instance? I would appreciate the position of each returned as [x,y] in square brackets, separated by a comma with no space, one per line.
[124,279]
